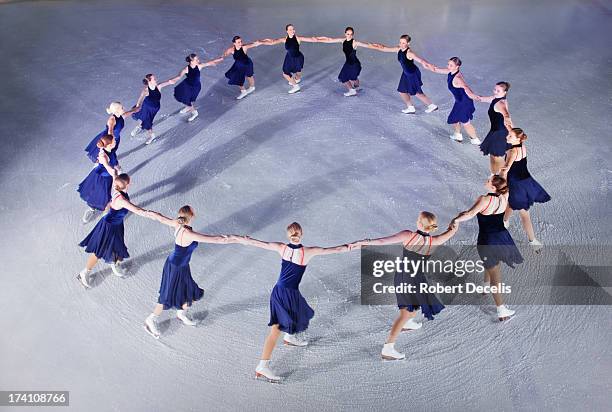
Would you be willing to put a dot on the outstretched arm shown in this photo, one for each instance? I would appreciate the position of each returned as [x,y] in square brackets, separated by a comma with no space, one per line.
[502,107]
[381,47]
[274,246]
[471,212]
[419,60]
[131,111]
[399,237]
[367,45]
[324,39]
[263,42]
[510,158]
[308,39]
[272,42]
[168,82]
[142,96]
[202,238]
[443,237]
[436,69]
[462,84]
[124,203]
[164,220]
[209,63]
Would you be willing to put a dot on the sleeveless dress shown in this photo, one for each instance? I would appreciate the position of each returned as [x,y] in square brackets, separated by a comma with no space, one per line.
[463,109]
[187,91]
[241,69]
[177,286]
[92,149]
[294,59]
[352,65]
[410,82]
[95,189]
[288,308]
[148,110]
[524,190]
[428,302]
[495,143]
[494,243]
[106,239]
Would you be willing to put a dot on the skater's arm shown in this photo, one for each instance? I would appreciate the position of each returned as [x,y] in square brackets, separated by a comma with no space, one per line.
[418,59]
[364,44]
[478,206]
[254,44]
[209,63]
[110,125]
[460,83]
[310,252]
[510,158]
[324,39]
[202,238]
[131,111]
[381,47]
[444,237]
[164,220]
[229,51]
[486,99]
[502,108]
[103,160]
[436,69]
[272,42]
[142,96]
[399,237]
[121,202]
[308,39]
[274,246]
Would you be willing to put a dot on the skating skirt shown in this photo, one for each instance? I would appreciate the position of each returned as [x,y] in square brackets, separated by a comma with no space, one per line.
[95,189]
[462,112]
[495,143]
[410,83]
[92,149]
[289,310]
[106,241]
[187,92]
[525,192]
[293,64]
[178,287]
[495,247]
[428,302]
[147,113]
[350,71]
[239,71]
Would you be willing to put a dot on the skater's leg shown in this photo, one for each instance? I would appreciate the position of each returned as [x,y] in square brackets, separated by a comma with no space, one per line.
[495,276]
[356,84]
[251,81]
[91,261]
[348,85]
[398,323]
[496,163]
[423,97]
[507,213]
[158,309]
[406,98]
[298,76]
[526,221]
[289,79]
[457,128]
[471,131]
[270,342]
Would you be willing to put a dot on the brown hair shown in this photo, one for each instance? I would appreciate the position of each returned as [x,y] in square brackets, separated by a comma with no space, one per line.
[405,37]
[190,57]
[295,231]
[519,133]
[500,184]
[121,182]
[104,141]
[455,60]
[287,26]
[429,221]
[505,85]
[349,28]
[147,79]
[185,214]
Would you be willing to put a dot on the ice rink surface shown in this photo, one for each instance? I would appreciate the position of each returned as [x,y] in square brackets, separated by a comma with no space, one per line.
[346,168]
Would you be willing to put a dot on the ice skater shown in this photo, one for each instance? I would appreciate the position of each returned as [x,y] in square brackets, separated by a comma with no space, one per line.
[410,82]
[349,74]
[417,246]
[494,144]
[524,190]
[289,311]
[178,289]
[106,241]
[114,125]
[495,245]
[187,91]
[294,59]
[463,109]
[243,65]
[149,104]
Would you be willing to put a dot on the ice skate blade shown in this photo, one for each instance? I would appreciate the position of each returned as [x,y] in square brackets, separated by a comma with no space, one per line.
[81,282]
[409,330]
[150,332]
[391,358]
[260,376]
[505,318]
[286,343]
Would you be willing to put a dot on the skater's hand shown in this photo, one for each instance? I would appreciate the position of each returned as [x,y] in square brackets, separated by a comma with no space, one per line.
[453,225]
[354,245]
[508,122]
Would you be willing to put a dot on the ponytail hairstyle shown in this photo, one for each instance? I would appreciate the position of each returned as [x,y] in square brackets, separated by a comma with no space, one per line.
[189,58]
[520,134]
[104,141]
[294,232]
[121,182]
[235,38]
[500,184]
[185,214]
[505,85]
[114,107]
[349,28]
[405,37]
[147,79]
[429,221]
[287,26]
[455,60]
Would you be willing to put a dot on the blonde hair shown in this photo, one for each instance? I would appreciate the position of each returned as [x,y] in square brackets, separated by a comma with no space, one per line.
[185,214]
[104,141]
[520,134]
[294,231]
[114,107]
[429,221]
[121,182]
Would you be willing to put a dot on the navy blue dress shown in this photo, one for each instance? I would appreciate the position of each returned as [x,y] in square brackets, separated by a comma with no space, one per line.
[288,308]
[177,286]
[95,189]
[410,82]
[187,91]
[524,190]
[106,238]
[294,59]
[428,302]
[495,143]
[494,242]
[352,65]
[241,69]
[463,109]
[148,110]
[92,149]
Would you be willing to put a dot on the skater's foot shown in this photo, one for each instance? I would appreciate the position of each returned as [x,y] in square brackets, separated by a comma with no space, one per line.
[486,285]
[151,138]
[292,340]
[431,108]
[474,140]
[297,80]
[117,270]
[83,278]
[88,215]
[185,109]
[409,110]
[389,352]
[351,92]
[263,371]
[458,137]
[503,313]
[194,114]
[150,325]
[296,88]
[136,130]
[536,245]
[183,316]
[506,223]
[242,94]
[411,324]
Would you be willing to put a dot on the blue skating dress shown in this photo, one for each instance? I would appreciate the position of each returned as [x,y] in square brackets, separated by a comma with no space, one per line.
[92,148]
[463,109]
[410,82]
[352,65]
[106,238]
[177,286]
[95,189]
[495,143]
[241,69]
[294,59]
[148,110]
[524,190]
[288,308]
[187,91]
